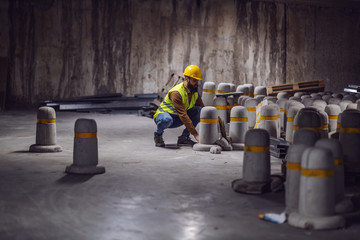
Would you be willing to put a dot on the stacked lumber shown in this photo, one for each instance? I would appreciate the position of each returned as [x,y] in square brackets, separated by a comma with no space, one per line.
[291,88]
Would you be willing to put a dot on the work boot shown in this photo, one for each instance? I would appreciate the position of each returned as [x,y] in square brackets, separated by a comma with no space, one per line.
[159,142]
[185,140]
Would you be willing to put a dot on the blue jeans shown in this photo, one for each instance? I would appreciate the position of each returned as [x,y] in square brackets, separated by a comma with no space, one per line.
[167,120]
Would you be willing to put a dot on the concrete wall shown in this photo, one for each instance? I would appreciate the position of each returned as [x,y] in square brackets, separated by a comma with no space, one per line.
[59,49]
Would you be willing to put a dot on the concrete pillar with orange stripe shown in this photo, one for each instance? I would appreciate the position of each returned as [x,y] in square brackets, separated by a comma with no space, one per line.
[250,105]
[221,106]
[208,129]
[333,112]
[243,89]
[251,89]
[256,164]
[238,127]
[223,88]
[269,119]
[308,118]
[317,192]
[343,204]
[324,130]
[281,103]
[208,93]
[85,152]
[350,140]
[45,131]
[260,90]
[290,116]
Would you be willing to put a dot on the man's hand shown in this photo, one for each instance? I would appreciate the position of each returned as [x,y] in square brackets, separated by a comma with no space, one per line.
[196,137]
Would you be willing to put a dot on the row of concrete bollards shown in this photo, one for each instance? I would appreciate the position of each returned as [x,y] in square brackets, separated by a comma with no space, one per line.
[85,152]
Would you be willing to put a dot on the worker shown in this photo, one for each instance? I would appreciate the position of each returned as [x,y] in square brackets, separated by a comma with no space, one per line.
[181,106]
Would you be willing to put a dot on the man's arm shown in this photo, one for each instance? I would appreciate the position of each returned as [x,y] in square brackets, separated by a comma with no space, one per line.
[181,111]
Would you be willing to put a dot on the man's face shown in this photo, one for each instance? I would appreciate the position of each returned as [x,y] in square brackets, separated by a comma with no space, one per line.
[193,84]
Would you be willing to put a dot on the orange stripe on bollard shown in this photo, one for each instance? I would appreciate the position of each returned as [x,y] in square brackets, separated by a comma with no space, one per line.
[350,130]
[256,148]
[268,117]
[316,129]
[335,117]
[338,161]
[238,119]
[293,166]
[208,91]
[208,120]
[251,109]
[219,91]
[221,107]
[289,119]
[282,110]
[85,135]
[325,126]
[317,172]
[45,121]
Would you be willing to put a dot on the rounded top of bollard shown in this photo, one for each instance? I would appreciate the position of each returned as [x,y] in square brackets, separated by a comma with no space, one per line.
[343,104]
[319,102]
[317,158]
[225,87]
[308,117]
[85,125]
[243,100]
[293,111]
[326,98]
[306,137]
[251,102]
[292,103]
[209,85]
[350,118]
[281,102]
[351,106]
[257,137]
[337,95]
[269,110]
[334,100]
[260,97]
[208,112]
[239,112]
[333,145]
[232,87]
[243,89]
[283,95]
[270,99]
[307,101]
[260,90]
[351,98]
[333,109]
[46,113]
[299,94]
[220,101]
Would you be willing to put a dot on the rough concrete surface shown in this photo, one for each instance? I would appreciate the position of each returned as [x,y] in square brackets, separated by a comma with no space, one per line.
[146,192]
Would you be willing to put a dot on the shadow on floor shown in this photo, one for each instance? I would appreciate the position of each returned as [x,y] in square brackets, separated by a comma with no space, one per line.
[70,179]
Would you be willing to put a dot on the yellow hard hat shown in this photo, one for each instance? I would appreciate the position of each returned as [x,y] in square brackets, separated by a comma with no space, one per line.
[193,71]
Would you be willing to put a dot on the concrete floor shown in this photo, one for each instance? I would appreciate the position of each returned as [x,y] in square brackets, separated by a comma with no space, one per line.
[146,192]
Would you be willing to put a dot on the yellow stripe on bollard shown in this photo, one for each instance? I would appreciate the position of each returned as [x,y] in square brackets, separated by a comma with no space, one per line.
[268,118]
[316,129]
[350,130]
[45,121]
[238,119]
[85,135]
[338,161]
[338,125]
[282,110]
[293,166]
[317,172]
[289,119]
[208,120]
[286,112]
[335,117]
[219,91]
[208,91]
[325,126]
[256,148]
[251,109]
[221,107]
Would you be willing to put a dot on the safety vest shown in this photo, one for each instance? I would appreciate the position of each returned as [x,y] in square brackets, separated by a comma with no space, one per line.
[167,105]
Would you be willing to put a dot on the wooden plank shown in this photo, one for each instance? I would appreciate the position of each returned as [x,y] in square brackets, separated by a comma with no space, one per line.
[291,88]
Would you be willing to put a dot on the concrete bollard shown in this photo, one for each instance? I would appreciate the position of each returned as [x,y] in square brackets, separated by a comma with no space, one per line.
[256,166]
[283,95]
[208,129]
[238,127]
[259,90]
[326,98]
[308,118]
[223,88]
[269,119]
[291,114]
[343,104]
[243,100]
[299,94]
[250,105]
[351,106]
[260,98]
[243,89]
[320,103]
[333,112]
[343,204]
[85,153]
[334,101]
[351,98]
[45,131]
[281,103]
[306,136]
[350,140]
[270,99]
[251,89]
[324,130]
[316,196]
[208,93]
[293,167]
[220,104]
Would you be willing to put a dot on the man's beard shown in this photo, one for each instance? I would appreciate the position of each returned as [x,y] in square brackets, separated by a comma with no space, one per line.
[192,88]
